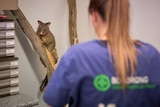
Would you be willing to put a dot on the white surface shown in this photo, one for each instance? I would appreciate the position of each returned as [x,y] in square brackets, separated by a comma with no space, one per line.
[145,21]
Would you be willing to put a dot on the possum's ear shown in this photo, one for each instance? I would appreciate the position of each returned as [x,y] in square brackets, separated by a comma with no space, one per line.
[48,24]
[39,22]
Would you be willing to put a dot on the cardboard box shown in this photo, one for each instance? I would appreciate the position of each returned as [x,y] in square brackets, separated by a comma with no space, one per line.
[8,4]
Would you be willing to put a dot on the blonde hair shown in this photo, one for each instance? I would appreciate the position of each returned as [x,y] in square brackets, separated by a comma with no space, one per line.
[122,48]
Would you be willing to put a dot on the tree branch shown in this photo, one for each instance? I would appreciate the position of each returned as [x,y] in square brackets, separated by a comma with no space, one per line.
[33,37]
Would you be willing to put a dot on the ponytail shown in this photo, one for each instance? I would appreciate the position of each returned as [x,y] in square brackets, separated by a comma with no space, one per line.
[122,47]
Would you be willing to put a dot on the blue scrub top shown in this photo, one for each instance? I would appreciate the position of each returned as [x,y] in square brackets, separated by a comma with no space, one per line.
[86,77]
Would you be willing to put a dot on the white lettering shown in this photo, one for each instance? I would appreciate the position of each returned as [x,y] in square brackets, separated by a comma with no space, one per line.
[131,80]
[111,105]
[101,105]
[115,80]
[146,79]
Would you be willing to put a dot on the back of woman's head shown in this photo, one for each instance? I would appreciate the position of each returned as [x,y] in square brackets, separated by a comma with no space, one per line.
[116,14]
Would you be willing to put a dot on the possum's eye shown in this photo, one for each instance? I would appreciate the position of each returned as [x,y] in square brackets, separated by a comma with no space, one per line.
[45,30]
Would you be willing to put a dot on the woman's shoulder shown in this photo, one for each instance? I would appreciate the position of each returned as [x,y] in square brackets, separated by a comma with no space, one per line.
[87,43]
[81,49]
[148,49]
[84,46]
[148,46]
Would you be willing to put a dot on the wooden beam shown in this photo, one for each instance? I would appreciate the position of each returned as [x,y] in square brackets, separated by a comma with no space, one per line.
[72,22]
[34,39]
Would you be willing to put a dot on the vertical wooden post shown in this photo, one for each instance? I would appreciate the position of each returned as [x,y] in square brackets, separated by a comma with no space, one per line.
[72,22]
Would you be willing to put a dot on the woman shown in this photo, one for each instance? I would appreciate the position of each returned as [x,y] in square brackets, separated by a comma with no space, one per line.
[113,71]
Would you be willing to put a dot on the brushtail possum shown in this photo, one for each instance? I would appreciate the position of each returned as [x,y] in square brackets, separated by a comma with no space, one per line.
[48,40]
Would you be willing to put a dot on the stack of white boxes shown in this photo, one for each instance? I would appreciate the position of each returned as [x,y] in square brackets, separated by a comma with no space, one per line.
[9,80]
